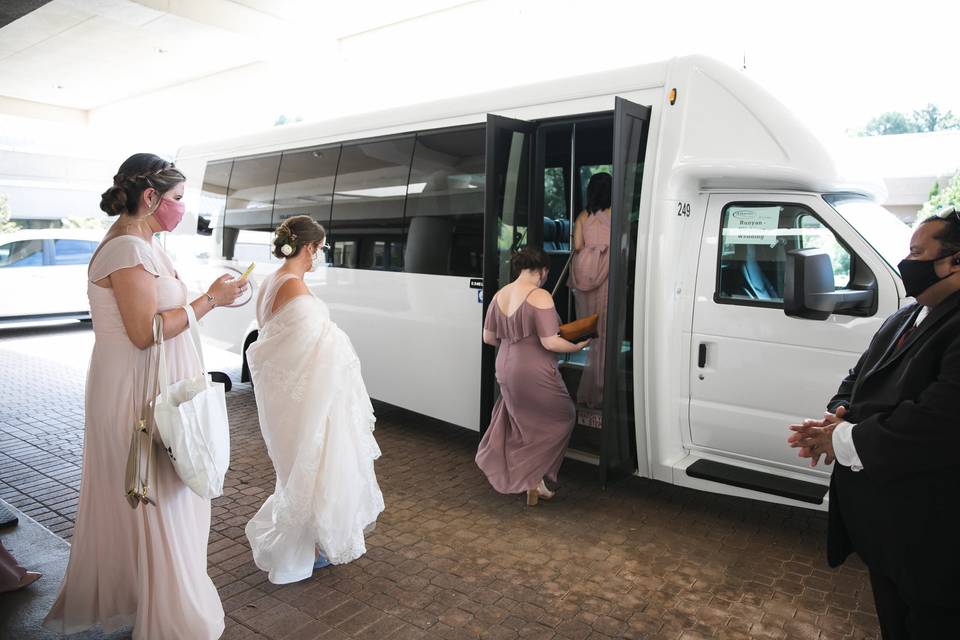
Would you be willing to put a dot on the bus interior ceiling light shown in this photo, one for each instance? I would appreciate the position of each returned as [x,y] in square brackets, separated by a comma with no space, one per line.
[385,192]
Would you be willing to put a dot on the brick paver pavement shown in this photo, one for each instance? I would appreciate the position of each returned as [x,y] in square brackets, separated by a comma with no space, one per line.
[451,558]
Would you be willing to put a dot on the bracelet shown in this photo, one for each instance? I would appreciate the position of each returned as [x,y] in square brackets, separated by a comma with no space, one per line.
[210,300]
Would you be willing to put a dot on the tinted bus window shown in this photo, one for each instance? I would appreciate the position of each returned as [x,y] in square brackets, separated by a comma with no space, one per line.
[213,200]
[367,220]
[305,184]
[445,198]
[248,225]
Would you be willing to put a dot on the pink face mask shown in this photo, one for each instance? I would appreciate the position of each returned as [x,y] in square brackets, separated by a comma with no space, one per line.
[169,213]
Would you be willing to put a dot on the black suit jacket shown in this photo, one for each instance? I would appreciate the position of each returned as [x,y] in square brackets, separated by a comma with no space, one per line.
[900,513]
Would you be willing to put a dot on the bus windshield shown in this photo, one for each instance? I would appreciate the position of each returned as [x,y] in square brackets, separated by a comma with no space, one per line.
[889,235]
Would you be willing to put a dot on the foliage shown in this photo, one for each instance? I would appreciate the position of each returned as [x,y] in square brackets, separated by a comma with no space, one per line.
[554,195]
[929,118]
[940,198]
[282,119]
[5,225]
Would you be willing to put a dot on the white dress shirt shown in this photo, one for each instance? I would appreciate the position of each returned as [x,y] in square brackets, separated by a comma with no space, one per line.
[843,448]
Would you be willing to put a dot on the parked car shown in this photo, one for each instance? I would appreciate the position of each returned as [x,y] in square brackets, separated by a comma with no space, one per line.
[43,273]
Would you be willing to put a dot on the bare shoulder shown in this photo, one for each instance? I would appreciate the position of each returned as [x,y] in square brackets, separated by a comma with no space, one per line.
[541,299]
[583,215]
[291,288]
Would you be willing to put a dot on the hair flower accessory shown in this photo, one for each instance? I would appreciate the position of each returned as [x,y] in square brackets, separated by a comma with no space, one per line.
[286,249]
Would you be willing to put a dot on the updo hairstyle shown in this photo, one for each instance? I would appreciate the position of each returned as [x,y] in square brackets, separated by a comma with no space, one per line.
[297,232]
[529,258]
[139,172]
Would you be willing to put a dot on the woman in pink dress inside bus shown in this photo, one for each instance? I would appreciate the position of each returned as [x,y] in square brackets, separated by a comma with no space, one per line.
[533,418]
[145,567]
[588,279]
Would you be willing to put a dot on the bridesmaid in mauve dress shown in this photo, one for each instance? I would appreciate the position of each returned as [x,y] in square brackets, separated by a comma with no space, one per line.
[533,418]
[145,567]
[588,279]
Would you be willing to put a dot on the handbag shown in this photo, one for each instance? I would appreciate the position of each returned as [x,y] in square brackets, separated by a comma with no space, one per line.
[141,472]
[581,329]
[191,417]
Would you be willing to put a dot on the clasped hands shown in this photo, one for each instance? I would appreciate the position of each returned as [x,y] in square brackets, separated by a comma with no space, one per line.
[814,438]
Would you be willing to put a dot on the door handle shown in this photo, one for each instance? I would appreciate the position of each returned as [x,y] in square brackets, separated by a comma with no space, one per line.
[702,356]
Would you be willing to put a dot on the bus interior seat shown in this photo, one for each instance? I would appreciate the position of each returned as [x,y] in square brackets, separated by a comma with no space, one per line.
[557,247]
[564,234]
[754,272]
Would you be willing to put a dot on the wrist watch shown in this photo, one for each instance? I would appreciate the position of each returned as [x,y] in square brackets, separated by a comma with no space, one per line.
[210,299]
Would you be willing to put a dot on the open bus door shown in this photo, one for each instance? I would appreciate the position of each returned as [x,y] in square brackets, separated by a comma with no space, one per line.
[509,157]
[618,452]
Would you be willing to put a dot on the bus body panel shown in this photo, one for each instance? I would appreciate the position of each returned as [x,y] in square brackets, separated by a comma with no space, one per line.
[417,336]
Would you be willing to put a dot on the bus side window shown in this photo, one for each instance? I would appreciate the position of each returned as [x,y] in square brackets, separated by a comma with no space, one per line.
[213,201]
[305,184]
[445,198]
[248,224]
[753,252]
[368,204]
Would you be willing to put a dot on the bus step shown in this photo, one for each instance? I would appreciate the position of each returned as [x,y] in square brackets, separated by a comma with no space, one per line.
[757,481]
[583,456]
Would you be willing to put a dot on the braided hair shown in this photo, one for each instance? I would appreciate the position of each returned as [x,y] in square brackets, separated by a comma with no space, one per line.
[139,172]
[294,233]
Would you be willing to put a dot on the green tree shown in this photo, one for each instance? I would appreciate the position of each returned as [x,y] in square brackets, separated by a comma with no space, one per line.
[940,198]
[282,119]
[931,119]
[5,225]
[889,123]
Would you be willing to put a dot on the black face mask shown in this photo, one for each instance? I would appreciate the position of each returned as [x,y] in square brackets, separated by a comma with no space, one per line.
[918,275]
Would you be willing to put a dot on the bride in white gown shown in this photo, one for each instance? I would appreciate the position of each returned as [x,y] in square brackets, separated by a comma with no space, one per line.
[316,419]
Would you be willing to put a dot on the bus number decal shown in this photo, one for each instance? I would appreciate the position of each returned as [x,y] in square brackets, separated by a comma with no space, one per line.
[683,209]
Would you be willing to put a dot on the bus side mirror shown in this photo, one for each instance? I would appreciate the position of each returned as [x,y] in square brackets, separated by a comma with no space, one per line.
[809,290]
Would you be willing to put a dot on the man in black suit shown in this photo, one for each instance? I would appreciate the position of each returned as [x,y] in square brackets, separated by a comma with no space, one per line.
[894,429]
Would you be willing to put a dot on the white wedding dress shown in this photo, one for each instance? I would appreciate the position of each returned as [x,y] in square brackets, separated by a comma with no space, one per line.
[317,421]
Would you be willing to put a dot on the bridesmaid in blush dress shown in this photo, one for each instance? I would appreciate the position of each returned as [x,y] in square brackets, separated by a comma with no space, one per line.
[588,278]
[145,567]
[533,418]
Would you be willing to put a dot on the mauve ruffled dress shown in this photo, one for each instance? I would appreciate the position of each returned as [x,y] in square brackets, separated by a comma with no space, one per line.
[532,420]
[588,277]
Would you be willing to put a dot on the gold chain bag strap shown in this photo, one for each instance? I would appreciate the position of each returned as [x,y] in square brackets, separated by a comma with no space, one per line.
[141,474]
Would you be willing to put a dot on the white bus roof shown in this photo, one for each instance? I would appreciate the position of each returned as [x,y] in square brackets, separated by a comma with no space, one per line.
[728,132]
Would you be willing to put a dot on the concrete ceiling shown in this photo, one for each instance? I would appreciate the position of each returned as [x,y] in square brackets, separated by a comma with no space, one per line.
[62,59]
[82,55]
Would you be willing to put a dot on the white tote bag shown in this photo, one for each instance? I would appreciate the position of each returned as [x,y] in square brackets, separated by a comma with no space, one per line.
[191,416]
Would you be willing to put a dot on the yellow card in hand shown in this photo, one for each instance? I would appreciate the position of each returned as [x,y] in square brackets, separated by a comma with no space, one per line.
[248,271]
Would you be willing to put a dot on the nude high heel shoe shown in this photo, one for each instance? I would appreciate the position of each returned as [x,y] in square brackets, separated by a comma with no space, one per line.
[532,496]
[540,491]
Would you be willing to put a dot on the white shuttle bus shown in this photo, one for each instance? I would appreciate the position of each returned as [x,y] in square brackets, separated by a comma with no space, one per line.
[745,275]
